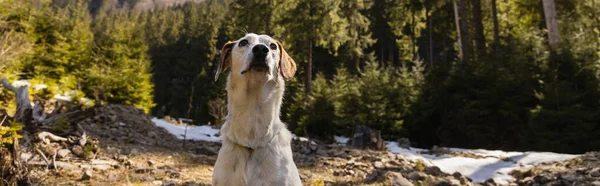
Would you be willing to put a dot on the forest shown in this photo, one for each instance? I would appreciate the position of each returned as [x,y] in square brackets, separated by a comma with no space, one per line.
[496,74]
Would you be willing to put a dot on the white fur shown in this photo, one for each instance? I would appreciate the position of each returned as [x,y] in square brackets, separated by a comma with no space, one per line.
[254,101]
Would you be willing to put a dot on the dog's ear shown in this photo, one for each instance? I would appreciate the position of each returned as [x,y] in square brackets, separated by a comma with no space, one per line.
[225,58]
[287,66]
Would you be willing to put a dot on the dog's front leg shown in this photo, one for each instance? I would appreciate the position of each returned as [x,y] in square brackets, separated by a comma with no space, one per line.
[230,168]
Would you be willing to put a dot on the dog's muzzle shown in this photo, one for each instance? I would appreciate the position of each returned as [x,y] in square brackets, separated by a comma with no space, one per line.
[259,61]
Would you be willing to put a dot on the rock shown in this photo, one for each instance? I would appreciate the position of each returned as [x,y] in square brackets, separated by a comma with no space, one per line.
[520,173]
[378,165]
[526,181]
[87,175]
[303,177]
[375,176]
[122,158]
[596,183]
[542,179]
[581,171]
[336,153]
[396,179]
[148,178]
[205,151]
[557,183]
[83,140]
[173,174]
[490,182]
[101,167]
[416,176]
[404,143]
[77,150]
[354,152]
[434,171]
[102,162]
[143,170]
[111,177]
[444,183]
[63,153]
[151,163]
[340,173]
[569,177]
[365,137]
[157,182]
[463,180]
[134,151]
[595,172]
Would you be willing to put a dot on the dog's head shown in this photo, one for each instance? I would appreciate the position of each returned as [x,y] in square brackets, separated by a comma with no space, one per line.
[256,56]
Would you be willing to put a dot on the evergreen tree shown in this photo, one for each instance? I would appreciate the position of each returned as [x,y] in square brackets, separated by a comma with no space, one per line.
[358,30]
[120,69]
[315,23]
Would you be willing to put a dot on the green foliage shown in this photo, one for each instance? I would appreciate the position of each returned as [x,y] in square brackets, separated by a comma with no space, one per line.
[62,126]
[8,133]
[377,98]
[183,47]
[120,69]
[516,93]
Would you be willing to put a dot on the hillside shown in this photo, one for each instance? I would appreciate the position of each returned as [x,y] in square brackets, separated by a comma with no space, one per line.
[124,146]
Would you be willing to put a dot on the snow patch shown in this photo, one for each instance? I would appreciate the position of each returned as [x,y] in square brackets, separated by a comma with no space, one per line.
[63,98]
[341,139]
[23,82]
[202,133]
[20,83]
[303,139]
[496,164]
[39,86]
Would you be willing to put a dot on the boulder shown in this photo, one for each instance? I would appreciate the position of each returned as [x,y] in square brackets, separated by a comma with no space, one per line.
[396,179]
[595,172]
[434,171]
[63,153]
[367,138]
[87,175]
[416,176]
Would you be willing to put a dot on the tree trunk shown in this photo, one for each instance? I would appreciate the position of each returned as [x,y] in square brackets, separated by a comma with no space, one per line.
[551,23]
[357,64]
[381,58]
[308,70]
[268,19]
[390,56]
[367,138]
[496,26]
[479,36]
[430,37]
[464,30]
[413,38]
[11,165]
[23,115]
[459,38]
[596,21]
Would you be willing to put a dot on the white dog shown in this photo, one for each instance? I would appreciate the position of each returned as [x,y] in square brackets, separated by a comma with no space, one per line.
[256,144]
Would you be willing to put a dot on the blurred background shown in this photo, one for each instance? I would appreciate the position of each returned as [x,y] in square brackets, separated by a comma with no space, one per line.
[496,74]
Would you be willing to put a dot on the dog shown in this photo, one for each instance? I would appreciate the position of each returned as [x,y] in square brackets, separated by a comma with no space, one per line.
[255,142]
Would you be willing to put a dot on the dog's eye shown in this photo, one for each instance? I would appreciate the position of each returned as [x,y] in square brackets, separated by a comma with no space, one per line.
[243,42]
[273,46]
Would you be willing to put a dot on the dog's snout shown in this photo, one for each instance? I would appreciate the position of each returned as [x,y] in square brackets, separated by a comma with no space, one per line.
[260,50]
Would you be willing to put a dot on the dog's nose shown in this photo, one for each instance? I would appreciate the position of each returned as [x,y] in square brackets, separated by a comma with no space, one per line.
[260,51]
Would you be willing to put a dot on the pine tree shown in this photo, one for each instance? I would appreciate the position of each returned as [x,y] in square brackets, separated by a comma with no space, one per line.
[358,30]
[120,70]
[315,23]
